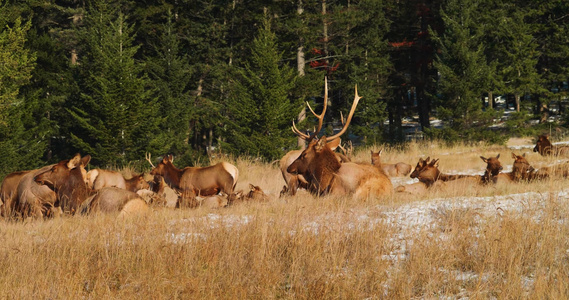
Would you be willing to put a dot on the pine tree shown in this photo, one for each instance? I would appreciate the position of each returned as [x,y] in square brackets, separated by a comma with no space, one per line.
[170,75]
[16,67]
[114,112]
[462,67]
[260,109]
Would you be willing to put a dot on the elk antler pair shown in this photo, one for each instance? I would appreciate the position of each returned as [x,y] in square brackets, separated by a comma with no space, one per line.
[321,117]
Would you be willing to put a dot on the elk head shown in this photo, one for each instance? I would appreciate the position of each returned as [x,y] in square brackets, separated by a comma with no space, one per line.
[165,163]
[543,145]
[67,179]
[376,157]
[318,163]
[430,172]
[522,168]
[419,167]
[493,168]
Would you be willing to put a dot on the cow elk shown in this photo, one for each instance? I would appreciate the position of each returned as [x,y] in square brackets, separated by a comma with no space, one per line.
[544,147]
[392,170]
[325,174]
[191,182]
[8,193]
[99,178]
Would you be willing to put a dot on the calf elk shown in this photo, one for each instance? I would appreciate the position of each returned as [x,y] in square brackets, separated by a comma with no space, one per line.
[392,170]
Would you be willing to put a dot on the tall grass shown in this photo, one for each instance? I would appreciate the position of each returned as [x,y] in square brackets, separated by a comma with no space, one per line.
[305,247]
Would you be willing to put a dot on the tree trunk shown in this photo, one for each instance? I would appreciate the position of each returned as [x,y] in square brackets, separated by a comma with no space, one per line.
[517,99]
[490,99]
[300,63]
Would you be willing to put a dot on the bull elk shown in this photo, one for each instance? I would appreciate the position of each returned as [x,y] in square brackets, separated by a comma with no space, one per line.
[196,181]
[295,181]
[325,174]
[392,170]
[546,148]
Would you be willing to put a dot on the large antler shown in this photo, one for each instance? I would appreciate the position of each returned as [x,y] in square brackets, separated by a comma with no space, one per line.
[149,159]
[350,115]
[320,117]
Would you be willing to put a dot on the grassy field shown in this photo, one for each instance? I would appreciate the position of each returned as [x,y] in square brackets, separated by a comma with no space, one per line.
[509,241]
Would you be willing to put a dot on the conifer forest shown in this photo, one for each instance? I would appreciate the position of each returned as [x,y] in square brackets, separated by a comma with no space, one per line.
[193,78]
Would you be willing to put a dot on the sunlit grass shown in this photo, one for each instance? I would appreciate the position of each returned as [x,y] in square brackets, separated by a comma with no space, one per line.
[476,242]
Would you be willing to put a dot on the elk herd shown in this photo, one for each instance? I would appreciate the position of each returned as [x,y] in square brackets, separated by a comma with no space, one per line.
[68,188]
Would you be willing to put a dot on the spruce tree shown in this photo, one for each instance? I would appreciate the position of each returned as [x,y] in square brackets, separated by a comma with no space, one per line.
[16,67]
[463,72]
[114,112]
[260,109]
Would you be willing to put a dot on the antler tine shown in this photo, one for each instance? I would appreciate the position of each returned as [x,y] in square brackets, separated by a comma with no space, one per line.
[319,117]
[149,159]
[349,119]
[298,132]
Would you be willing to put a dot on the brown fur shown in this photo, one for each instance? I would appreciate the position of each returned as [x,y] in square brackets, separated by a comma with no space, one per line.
[430,173]
[326,175]
[111,200]
[296,181]
[255,194]
[67,179]
[392,170]
[33,200]
[99,178]
[546,148]
[196,181]
[9,191]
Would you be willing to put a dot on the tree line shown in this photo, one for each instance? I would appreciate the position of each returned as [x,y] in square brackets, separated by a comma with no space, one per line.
[116,79]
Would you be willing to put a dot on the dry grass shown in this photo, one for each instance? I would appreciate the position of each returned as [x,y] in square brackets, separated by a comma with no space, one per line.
[497,245]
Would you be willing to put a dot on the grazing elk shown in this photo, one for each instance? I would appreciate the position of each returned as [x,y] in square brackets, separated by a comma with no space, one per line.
[196,181]
[546,148]
[326,175]
[99,178]
[392,170]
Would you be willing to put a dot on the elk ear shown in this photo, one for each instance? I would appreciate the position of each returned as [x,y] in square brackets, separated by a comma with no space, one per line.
[514,156]
[74,161]
[85,160]
[170,157]
[484,159]
[427,159]
[498,156]
[380,151]
[334,144]
[435,161]
[524,155]
[251,187]
[165,160]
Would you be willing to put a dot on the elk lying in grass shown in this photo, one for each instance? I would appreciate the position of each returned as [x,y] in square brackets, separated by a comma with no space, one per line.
[296,181]
[429,175]
[39,200]
[114,200]
[99,178]
[546,148]
[326,175]
[522,170]
[9,191]
[392,170]
[196,181]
